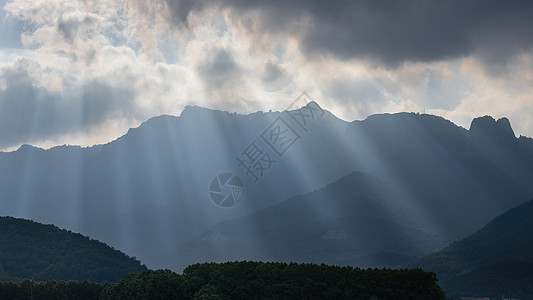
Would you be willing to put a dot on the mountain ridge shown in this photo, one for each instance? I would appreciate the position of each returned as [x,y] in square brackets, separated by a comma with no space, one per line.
[501,124]
[495,260]
[147,192]
[335,224]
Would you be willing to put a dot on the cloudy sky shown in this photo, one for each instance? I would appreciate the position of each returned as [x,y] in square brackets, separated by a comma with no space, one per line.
[83,72]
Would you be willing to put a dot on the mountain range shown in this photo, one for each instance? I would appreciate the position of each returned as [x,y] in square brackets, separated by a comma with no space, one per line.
[348,222]
[496,260]
[329,189]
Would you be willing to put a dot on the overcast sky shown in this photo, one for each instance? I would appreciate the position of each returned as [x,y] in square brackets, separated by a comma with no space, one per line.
[83,72]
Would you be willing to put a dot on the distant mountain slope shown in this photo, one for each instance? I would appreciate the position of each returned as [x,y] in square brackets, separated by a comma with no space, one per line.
[348,222]
[496,260]
[146,193]
[45,252]
[456,179]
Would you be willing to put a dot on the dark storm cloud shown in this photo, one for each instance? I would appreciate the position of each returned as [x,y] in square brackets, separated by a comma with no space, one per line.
[219,71]
[29,112]
[223,79]
[180,9]
[68,29]
[393,31]
[272,73]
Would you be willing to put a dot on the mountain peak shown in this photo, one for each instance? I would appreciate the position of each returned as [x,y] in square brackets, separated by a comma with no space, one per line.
[27,147]
[192,109]
[312,103]
[489,127]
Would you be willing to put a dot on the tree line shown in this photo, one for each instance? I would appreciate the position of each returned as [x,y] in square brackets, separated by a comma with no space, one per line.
[242,280]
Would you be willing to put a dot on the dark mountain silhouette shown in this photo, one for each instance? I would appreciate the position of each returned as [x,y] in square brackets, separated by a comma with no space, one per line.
[348,222]
[456,181]
[488,128]
[45,252]
[496,260]
[146,193]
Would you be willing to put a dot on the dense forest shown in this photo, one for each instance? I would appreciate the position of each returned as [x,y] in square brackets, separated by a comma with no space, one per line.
[243,280]
[45,252]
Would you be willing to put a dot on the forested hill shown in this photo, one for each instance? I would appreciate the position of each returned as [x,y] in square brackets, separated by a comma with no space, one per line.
[45,252]
[496,260]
